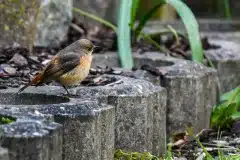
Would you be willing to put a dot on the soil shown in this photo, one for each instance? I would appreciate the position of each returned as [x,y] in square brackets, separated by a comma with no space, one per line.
[227,142]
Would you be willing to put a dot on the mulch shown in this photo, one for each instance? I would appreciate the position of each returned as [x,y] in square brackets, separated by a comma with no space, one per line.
[226,142]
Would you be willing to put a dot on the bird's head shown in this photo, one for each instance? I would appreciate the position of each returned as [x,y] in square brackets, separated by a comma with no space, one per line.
[86,46]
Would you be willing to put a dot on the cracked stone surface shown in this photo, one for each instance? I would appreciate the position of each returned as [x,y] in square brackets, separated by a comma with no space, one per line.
[31,136]
[88,127]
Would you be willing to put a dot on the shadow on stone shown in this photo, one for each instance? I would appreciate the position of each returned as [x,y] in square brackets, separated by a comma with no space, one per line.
[31,99]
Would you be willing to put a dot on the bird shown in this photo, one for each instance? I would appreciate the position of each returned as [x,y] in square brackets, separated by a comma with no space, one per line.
[69,67]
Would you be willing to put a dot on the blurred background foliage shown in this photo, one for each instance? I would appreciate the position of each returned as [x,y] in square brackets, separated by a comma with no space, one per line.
[200,8]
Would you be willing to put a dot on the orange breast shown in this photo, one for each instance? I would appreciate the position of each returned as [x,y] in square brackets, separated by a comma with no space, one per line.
[78,74]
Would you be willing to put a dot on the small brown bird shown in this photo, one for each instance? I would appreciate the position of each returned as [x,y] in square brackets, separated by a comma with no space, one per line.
[68,67]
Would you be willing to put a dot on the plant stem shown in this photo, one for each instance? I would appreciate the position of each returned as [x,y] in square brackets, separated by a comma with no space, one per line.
[98,19]
[174,32]
[149,39]
[124,34]
[227,9]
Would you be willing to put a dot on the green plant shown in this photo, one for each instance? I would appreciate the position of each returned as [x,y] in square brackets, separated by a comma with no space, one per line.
[126,24]
[227,9]
[121,155]
[225,113]
[188,19]
[6,120]
[190,133]
[220,155]
[124,34]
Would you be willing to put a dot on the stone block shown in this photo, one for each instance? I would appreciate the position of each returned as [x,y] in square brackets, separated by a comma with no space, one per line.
[18,21]
[54,21]
[88,127]
[227,62]
[191,87]
[88,130]
[140,120]
[191,90]
[109,59]
[221,33]
[39,22]
[140,113]
[224,33]
[4,154]
[31,136]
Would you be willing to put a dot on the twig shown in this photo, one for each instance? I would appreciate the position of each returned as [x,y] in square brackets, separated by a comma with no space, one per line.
[116,82]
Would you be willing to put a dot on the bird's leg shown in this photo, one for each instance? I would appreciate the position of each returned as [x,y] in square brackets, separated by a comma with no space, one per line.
[65,89]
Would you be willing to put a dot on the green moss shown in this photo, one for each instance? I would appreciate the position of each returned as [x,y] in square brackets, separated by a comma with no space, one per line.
[121,155]
[6,120]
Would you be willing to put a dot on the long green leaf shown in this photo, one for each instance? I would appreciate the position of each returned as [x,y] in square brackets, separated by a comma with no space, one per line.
[233,95]
[124,36]
[135,5]
[192,28]
[147,16]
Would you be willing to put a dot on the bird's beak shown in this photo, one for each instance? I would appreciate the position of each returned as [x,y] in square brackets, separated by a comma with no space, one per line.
[94,47]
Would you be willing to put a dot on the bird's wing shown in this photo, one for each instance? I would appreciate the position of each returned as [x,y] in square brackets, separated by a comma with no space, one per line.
[60,65]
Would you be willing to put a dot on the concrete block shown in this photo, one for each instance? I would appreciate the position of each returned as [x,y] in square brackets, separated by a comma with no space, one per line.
[191,87]
[4,154]
[18,22]
[88,127]
[31,136]
[140,107]
[227,62]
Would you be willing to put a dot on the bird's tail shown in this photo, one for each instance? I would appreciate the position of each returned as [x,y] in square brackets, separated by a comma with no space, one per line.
[36,81]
